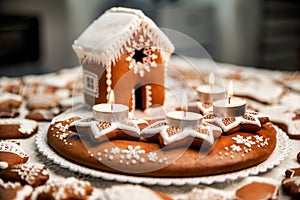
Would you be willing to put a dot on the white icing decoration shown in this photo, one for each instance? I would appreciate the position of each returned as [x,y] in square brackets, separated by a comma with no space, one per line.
[24,193]
[140,67]
[161,128]
[133,152]
[236,148]
[130,127]
[203,109]
[10,97]
[148,96]
[132,101]
[132,192]
[3,165]
[115,30]
[11,147]
[26,126]
[108,81]
[238,120]
[152,156]
[29,171]
[115,150]
[63,187]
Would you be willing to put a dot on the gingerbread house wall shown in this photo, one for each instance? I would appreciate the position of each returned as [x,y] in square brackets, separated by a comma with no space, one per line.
[123,81]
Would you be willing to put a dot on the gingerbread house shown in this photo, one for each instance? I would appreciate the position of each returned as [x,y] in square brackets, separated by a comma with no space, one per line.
[125,51]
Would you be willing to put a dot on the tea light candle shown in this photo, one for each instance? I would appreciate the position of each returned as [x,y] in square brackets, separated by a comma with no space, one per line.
[110,112]
[210,92]
[230,107]
[183,118]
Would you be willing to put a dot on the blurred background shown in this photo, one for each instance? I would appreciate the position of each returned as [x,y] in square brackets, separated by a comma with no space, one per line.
[36,36]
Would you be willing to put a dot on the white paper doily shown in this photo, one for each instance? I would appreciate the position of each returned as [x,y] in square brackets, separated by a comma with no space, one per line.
[281,151]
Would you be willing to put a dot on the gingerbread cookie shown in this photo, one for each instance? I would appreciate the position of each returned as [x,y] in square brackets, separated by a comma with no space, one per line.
[17,128]
[42,102]
[15,190]
[133,192]
[69,188]
[9,104]
[257,191]
[42,114]
[33,174]
[291,182]
[11,154]
[298,157]
[250,122]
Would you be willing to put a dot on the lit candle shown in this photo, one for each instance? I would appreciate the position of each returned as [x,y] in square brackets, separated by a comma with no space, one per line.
[183,118]
[210,92]
[110,112]
[231,106]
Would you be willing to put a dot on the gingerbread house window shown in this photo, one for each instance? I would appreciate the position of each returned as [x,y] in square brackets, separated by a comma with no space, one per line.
[90,83]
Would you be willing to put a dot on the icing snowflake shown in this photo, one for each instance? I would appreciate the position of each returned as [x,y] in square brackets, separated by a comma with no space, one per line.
[259,138]
[248,141]
[241,140]
[141,56]
[236,148]
[152,156]
[62,127]
[238,139]
[115,150]
[133,152]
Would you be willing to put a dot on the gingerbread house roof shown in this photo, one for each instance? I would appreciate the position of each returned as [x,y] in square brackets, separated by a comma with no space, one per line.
[108,37]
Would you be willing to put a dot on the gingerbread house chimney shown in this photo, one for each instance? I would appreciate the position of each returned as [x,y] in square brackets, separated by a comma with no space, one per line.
[125,51]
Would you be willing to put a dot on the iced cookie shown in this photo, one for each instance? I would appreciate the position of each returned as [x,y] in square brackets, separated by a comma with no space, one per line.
[42,114]
[291,182]
[15,190]
[11,154]
[257,191]
[69,188]
[9,104]
[42,102]
[17,128]
[33,174]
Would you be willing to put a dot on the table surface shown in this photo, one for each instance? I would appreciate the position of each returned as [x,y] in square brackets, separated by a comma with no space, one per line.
[227,188]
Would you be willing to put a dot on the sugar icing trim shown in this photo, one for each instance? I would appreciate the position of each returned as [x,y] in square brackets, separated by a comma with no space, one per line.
[133,192]
[29,171]
[63,187]
[148,96]
[9,96]
[11,147]
[26,126]
[231,122]
[114,38]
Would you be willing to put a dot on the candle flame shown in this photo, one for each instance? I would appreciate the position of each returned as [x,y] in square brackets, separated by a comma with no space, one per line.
[184,102]
[111,99]
[211,79]
[230,90]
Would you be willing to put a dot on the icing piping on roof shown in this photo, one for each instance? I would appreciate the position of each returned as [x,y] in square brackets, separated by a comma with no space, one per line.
[106,48]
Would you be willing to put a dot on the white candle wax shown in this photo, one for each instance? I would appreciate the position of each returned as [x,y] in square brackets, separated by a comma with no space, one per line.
[208,93]
[183,119]
[110,112]
[229,108]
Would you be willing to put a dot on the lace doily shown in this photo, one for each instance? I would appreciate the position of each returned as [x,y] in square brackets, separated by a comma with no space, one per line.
[281,151]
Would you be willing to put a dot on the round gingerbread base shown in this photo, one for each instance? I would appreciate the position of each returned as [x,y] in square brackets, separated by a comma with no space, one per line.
[229,153]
